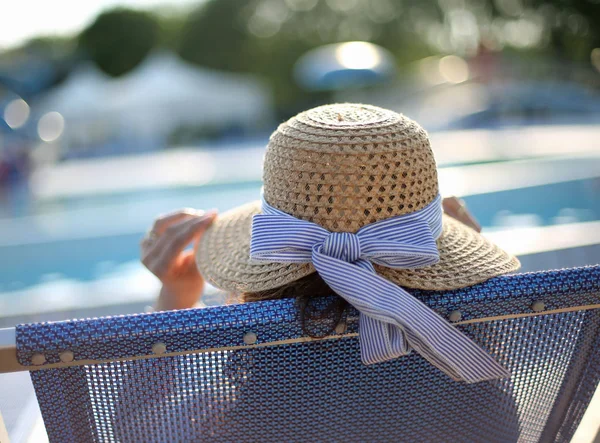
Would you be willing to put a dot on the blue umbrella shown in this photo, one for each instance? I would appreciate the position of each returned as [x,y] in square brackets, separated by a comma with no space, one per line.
[344,65]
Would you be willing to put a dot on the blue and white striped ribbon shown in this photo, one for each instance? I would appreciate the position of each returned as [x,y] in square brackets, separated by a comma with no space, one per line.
[392,322]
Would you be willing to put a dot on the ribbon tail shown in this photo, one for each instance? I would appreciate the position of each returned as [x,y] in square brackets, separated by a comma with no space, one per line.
[478,366]
[425,331]
[380,341]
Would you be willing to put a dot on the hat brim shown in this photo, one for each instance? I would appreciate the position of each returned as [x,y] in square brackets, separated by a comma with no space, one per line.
[223,257]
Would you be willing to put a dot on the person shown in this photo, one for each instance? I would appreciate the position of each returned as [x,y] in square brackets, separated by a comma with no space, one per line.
[182,284]
[350,207]
[164,251]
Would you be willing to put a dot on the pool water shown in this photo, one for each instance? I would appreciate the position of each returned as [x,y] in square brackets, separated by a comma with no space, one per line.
[85,257]
[88,247]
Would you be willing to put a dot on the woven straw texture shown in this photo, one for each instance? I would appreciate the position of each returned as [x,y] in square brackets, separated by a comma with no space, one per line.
[319,390]
[344,167]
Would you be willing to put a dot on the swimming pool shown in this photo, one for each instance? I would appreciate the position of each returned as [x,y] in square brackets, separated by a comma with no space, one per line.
[84,250]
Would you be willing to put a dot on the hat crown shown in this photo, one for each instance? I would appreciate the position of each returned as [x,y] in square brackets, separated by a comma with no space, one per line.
[345,166]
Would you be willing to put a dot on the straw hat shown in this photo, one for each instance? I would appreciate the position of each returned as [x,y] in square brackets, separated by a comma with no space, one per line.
[345,166]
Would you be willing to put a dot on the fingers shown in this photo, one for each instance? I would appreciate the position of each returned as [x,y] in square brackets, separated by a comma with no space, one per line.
[166,220]
[145,245]
[163,254]
[178,236]
[457,209]
[162,223]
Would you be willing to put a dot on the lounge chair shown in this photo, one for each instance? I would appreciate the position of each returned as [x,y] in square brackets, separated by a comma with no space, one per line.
[247,372]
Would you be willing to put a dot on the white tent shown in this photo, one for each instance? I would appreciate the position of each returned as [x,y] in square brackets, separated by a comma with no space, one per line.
[80,95]
[165,91]
[157,97]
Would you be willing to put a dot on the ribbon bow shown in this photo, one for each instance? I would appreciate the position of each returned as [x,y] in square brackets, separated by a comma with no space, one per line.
[392,322]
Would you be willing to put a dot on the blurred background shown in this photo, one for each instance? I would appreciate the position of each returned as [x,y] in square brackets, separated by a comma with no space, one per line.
[113,112]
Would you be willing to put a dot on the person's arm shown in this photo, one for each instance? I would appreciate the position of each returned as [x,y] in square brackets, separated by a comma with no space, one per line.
[163,252]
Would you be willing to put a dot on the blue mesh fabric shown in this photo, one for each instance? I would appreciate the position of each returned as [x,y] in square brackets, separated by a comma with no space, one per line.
[319,390]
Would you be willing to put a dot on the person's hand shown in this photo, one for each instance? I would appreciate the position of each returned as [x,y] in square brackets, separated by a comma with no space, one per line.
[457,209]
[163,253]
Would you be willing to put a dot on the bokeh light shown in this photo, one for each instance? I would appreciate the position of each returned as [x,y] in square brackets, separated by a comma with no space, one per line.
[342,5]
[454,69]
[301,5]
[268,18]
[51,126]
[429,69]
[358,55]
[16,113]
[595,58]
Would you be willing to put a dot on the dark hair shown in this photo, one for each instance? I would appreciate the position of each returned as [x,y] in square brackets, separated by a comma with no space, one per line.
[316,323]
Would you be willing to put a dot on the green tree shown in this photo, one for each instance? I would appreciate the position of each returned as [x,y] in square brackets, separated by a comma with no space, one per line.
[119,39]
[215,37]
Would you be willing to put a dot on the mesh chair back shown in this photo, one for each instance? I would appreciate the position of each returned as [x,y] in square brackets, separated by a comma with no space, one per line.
[196,375]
